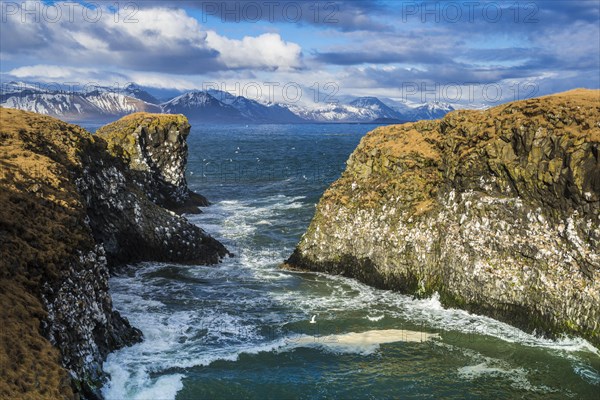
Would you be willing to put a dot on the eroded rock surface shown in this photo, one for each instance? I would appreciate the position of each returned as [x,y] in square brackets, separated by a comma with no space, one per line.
[69,211]
[155,148]
[498,211]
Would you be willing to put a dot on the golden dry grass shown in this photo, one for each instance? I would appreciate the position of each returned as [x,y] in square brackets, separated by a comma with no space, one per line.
[40,230]
[413,158]
[29,364]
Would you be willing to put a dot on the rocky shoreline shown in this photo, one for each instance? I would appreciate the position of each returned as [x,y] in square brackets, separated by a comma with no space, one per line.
[498,211]
[73,207]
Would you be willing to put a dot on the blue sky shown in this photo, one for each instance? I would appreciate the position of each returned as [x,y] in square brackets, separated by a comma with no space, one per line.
[467,52]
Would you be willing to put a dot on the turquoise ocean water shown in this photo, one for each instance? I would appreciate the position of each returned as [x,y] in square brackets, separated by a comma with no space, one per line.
[241,330]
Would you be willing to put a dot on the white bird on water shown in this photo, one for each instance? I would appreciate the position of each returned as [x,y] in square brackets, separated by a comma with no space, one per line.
[313,321]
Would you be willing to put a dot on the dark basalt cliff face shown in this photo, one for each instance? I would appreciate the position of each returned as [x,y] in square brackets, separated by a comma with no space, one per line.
[73,206]
[155,149]
[498,211]
[126,208]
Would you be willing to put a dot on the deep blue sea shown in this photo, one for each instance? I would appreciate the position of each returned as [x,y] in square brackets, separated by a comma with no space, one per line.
[241,329]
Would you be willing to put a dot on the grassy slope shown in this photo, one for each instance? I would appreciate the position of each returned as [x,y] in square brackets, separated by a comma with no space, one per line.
[40,231]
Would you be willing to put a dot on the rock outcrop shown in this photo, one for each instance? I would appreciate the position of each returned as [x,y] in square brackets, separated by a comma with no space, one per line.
[125,203]
[498,211]
[155,148]
[69,211]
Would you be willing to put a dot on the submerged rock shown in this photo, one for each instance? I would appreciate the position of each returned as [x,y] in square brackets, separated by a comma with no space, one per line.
[497,210]
[70,211]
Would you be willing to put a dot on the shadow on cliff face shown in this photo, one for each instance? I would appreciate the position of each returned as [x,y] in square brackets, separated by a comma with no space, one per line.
[129,224]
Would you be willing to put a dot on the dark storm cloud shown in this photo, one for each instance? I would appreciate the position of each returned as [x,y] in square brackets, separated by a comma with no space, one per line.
[494,15]
[502,54]
[565,37]
[443,75]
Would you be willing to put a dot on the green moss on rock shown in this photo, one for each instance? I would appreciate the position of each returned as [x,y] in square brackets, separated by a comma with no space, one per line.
[123,135]
[497,210]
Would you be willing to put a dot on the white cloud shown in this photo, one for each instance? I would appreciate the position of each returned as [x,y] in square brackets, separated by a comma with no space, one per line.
[44,71]
[153,39]
[162,26]
[578,41]
[163,81]
[265,51]
[81,77]
[89,42]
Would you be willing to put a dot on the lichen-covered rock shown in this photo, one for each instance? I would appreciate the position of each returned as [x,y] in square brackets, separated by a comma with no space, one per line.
[69,211]
[498,211]
[155,148]
[80,320]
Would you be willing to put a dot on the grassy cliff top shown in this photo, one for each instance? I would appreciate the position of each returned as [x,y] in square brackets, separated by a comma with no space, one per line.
[120,134]
[130,123]
[40,230]
[22,129]
[523,137]
[561,112]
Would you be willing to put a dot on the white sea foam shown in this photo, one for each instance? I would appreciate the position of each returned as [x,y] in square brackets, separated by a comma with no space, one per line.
[220,315]
[497,369]
[349,294]
[138,385]
[165,387]
[585,371]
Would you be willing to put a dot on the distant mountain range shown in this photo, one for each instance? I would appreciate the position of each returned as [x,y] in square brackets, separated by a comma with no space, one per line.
[97,104]
[212,106]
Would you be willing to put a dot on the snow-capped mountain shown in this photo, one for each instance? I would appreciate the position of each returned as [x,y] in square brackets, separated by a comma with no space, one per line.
[237,108]
[371,109]
[379,109]
[222,96]
[432,110]
[17,87]
[362,109]
[212,106]
[130,90]
[377,106]
[202,106]
[133,90]
[332,112]
[403,110]
[73,105]
[269,113]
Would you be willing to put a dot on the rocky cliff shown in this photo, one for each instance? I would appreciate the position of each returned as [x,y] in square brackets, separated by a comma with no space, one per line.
[72,206]
[155,148]
[498,211]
